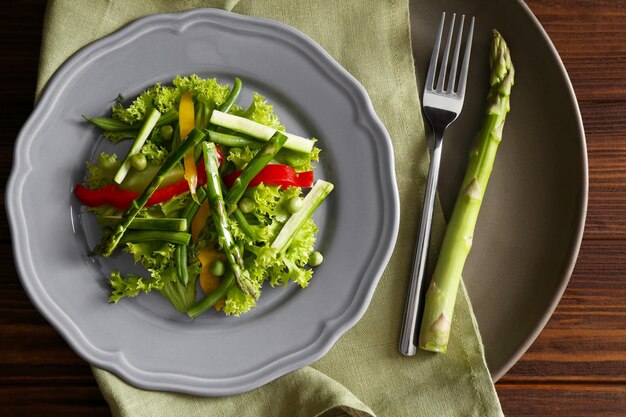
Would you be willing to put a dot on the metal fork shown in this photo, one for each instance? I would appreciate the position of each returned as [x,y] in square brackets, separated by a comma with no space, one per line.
[442,103]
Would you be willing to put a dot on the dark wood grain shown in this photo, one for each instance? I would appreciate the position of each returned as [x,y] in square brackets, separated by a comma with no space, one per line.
[577,366]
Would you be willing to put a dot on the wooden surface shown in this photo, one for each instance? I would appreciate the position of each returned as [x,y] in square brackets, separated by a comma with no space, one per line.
[577,366]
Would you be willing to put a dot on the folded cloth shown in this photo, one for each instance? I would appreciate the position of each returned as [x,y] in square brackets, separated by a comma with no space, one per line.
[363,374]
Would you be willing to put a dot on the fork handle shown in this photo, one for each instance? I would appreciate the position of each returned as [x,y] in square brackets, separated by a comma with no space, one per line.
[414,307]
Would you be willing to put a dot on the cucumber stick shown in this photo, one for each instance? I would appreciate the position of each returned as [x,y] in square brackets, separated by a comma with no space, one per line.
[311,202]
[144,132]
[259,131]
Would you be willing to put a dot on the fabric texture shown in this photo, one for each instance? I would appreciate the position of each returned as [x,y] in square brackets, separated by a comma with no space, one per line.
[363,374]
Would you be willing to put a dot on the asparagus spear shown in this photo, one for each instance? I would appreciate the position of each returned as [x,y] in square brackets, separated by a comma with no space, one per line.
[110,241]
[220,219]
[212,299]
[232,96]
[181,238]
[114,125]
[441,295]
[181,253]
[256,164]
[140,223]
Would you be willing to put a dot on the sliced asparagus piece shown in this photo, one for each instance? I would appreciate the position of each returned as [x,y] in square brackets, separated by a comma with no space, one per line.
[139,223]
[220,219]
[312,200]
[144,132]
[109,242]
[441,294]
[135,236]
[232,141]
[256,164]
[259,131]
[113,125]
[232,96]
[211,299]
[181,251]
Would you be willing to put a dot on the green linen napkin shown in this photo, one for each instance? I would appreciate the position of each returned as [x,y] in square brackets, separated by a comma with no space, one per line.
[363,374]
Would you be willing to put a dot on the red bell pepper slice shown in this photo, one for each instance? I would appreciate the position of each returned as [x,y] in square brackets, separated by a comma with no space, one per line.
[119,198]
[276,174]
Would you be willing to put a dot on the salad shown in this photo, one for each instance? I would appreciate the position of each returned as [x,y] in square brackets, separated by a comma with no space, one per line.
[213,199]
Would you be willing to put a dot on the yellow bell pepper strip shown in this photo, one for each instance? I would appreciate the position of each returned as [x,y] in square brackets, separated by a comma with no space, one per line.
[220,304]
[208,281]
[207,255]
[186,122]
[199,221]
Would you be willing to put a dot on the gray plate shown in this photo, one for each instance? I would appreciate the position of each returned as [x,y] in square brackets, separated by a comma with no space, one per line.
[532,220]
[144,340]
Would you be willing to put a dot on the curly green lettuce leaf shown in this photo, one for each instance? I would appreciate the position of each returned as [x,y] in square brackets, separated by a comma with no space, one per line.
[296,256]
[241,156]
[238,302]
[267,262]
[154,153]
[206,90]
[131,286]
[163,98]
[271,202]
[260,111]
[154,255]
[101,172]
[158,259]
[170,208]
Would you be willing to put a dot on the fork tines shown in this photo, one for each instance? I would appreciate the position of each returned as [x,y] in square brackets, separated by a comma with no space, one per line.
[452,84]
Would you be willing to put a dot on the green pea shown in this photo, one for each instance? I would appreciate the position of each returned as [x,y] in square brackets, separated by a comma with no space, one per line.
[246,205]
[139,161]
[167,132]
[316,258]
[217,268]
[294,204]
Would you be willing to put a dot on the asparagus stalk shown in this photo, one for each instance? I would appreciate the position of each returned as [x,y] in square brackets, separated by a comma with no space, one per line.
[114,125]
[311,202]
[109,242]
[181,258]
[181,252]
[232,96]
[160,223]
[212,299]
[441,294]
[232,141]
[135,236]
[256,164]
[220,219]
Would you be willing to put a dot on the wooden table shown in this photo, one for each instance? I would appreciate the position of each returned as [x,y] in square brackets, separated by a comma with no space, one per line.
[577,366]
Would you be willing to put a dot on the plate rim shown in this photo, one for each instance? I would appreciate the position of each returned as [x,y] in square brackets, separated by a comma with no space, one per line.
[583,200]
[118,364]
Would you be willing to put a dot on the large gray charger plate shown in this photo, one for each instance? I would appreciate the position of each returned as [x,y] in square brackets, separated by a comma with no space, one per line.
[144,340]
[532,220]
